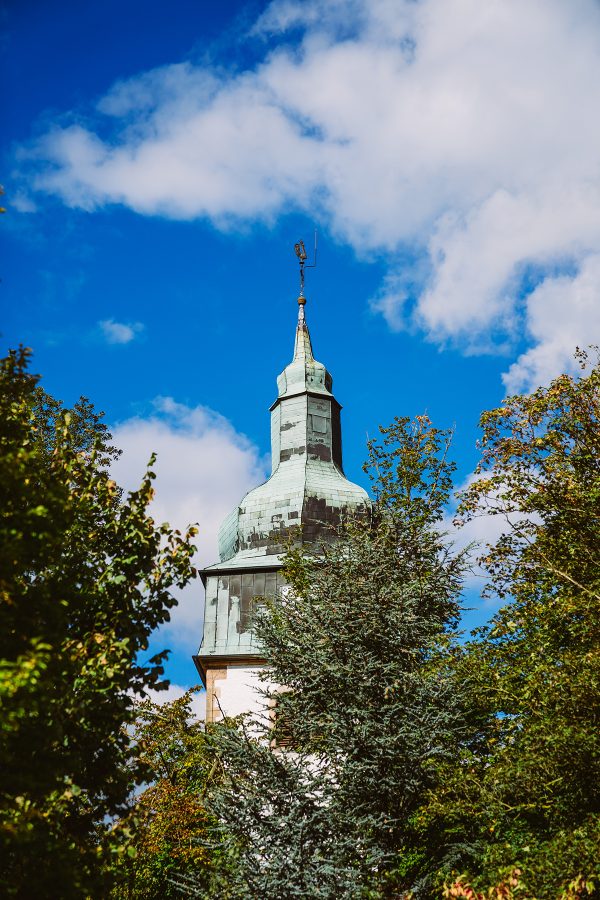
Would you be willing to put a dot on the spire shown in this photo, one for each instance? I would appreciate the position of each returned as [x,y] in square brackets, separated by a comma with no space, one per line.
[304,373]
[303,346]
[307,491]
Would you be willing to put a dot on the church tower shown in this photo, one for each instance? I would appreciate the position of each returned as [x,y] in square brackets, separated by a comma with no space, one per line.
[305,495]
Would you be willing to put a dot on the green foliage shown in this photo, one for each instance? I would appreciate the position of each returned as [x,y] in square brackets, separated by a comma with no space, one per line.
[415,759]
[532,800]
[169,824]
[358,645]
[400,763]
[84,578]
[275,822]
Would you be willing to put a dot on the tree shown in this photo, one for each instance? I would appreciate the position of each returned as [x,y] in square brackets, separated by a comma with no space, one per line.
[532,800]
[357,645]
[169,825]
[84,579]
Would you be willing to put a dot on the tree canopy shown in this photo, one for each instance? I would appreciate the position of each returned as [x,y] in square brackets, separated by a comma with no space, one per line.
[85,577]
[532,801]
[356,645]
[392,760]
[171,831]
[415,763]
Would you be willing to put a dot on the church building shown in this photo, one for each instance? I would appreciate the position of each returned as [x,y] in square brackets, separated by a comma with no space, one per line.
[303,498]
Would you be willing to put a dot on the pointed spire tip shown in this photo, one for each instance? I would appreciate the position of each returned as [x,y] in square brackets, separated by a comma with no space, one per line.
[301,305]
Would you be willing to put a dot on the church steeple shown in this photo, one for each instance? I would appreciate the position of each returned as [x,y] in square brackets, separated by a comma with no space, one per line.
[302,502]
[305,418]
[307,492]
[304,373]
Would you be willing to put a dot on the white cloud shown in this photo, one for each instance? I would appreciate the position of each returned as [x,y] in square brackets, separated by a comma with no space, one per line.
[562,313]
[203,468]
[23,203]
[476,534]
[481,531]
[119,332]
[467,131]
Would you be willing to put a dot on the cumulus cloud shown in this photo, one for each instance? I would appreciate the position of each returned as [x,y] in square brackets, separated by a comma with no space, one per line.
[203,469]
[482,531]
[119,332]
[475,535]
[464,130]
[562,313]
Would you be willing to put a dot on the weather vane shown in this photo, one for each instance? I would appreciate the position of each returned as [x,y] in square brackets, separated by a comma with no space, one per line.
[300,250]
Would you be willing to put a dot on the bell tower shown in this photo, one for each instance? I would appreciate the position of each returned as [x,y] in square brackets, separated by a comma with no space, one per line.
[305,495]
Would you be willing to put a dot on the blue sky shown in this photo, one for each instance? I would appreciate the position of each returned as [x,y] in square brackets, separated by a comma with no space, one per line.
[161,159]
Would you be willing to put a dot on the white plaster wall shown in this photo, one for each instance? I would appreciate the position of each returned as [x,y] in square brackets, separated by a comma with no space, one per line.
[239,693]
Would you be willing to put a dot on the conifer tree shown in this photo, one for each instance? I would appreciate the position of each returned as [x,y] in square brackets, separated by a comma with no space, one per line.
[328,803]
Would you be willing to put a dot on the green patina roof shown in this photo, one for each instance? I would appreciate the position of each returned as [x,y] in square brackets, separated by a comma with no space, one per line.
[307,491]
